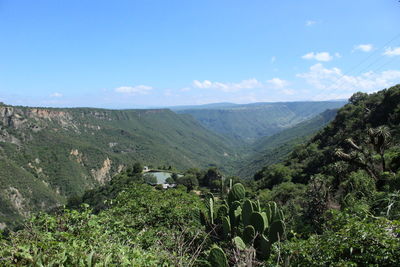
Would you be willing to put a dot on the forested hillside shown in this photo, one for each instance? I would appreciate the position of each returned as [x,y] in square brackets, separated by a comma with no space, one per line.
[341,189]
[247,123]
[332,201]
[48,155]
[273,149]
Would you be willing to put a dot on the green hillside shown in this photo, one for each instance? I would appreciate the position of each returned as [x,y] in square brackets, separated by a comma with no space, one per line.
[333,201]
[252,121]
[50,154]
[273,149]
[342,187]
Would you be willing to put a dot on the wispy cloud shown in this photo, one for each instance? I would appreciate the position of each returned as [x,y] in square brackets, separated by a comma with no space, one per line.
[333,80]
[391,52]
[321,56]
[273,59]
[56,94]
[139,89]
[310,23]
[228,87]
[278,83]
[364,47]
[274,83]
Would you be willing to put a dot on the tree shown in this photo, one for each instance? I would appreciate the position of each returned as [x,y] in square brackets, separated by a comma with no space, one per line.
[150,178]
[169,180]
[211,175]
[137,168]
[273,175]
[189,180]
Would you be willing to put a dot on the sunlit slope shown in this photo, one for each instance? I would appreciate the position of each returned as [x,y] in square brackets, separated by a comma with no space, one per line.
[50,154]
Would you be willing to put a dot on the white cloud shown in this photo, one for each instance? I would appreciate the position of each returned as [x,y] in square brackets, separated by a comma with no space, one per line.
[310,23]
[228,87]
[395,51]
[364,47]
[288,92]
[278,83]
[322,56]
[139,89]
[334,80]
[56,94]
[273,59]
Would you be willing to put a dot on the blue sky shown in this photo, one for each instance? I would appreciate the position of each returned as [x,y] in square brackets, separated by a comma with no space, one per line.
[127,54]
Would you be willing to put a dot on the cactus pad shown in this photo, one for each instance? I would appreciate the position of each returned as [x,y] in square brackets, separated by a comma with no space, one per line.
[217,257]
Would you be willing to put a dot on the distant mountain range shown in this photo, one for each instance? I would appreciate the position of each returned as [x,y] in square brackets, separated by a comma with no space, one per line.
[249,122]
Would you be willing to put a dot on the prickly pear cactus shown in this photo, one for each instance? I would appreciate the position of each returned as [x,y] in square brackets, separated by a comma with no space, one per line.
[247,210]
[217,257]
[237,193]
[263,248]
[226,226]
[211,210]
[265,217]
[222,212]
[258,222]
[249,234]
[276,231]
[238,242]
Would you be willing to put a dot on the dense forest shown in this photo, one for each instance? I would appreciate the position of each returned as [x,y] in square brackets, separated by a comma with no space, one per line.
[51,154]
[334,200]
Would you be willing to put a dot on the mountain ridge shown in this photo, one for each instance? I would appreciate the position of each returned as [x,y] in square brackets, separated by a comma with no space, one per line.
[49,154]
[246,123]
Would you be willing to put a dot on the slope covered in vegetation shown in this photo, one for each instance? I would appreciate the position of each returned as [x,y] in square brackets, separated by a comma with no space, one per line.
[334,201]
[48,155]
[249,122]
[273,149]
[341,189]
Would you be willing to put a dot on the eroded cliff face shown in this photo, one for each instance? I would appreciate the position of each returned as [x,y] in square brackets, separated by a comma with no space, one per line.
[18,201]
[103,174]
[18,118]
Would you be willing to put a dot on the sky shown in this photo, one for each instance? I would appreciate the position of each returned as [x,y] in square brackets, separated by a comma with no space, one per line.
[148,53]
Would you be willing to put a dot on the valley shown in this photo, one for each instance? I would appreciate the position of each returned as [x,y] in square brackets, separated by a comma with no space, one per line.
[199,133]
[339,162]
[49,155]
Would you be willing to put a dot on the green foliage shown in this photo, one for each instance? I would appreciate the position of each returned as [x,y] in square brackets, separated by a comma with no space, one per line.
[273,175]
[128,233]
[189,180]
[349,241]
[273,149]
[59,153]
[150,178]
[137,168]
[71,239]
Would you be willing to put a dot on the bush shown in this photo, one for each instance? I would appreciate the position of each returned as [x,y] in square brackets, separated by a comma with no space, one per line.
[348,241]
